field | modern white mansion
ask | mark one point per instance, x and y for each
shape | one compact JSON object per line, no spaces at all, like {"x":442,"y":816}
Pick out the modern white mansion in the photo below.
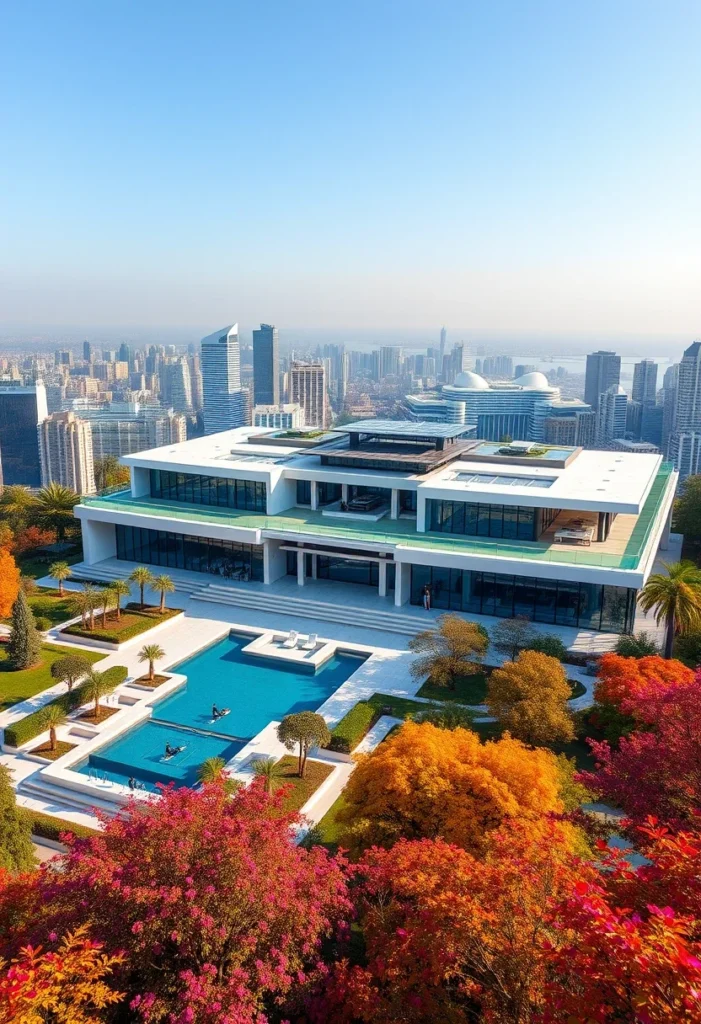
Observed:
{"x":560,"y":535}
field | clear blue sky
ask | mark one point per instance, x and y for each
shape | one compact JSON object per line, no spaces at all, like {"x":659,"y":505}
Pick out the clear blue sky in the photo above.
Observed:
{"x":498,"y":165}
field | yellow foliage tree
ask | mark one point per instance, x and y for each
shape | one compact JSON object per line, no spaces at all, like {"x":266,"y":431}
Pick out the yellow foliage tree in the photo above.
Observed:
{"x":426,"y":782}
{"x":9,"y":582}
{"x":529,"y":698}
{"x":67,"y":986}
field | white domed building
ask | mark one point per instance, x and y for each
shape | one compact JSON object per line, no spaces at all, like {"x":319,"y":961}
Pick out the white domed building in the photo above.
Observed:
{"x":503,"y":408}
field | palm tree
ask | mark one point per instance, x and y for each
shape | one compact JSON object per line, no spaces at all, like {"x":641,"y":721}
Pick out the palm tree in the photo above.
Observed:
{"x":151,"y":653}
{"x":144,"y":578}
{"x":107,"y":599}
{"x":120,"y":589}
{"x":166,"y":586}
{"x":211,"y":770}
{"x":60,"y":571}
{"x":52,"y":509}
{"x":97,"y":686}
{"x":270,"y":770}
{"x":675,"y":598}
{"x":54,"y":716}
{"x":85,"y":601}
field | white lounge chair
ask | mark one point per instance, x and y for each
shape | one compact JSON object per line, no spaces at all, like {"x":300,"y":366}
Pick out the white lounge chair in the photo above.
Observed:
{"x":291,"y":640}
{"x":310,"y":644}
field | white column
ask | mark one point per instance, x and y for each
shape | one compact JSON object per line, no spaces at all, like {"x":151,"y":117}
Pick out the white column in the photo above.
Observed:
{"x":344,"y":492}
{"x":420,"y":513}
{"x":99,"y":540}
{"x":274,"y":561}
{"x":382,"y":583}
{"x":394,"y":508}
{"x":315,"y":495}
{"x":300,"y":567}
{"x":402,"y":583}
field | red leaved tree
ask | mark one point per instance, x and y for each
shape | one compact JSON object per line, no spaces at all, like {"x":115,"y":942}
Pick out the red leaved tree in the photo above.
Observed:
{"x":216,"y":911}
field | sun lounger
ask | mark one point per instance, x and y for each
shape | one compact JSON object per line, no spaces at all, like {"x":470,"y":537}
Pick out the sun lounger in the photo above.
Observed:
{"x":291,"y":640}
{"x":310,"y":644}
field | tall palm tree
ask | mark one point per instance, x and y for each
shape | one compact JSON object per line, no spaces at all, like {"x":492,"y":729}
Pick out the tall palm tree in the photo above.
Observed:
{"x":675,"y":598}
{"x":60,"y":571}
{"x":107,"y":599}
{"x":151,"y":653}
{"x":270,"y":770}
{"x":120,"y":589}
{"x":97,"y":686}
{"x":54,"y":716}
{"x":166,"y":586}
{"x":52,"y":509}
{"x":143,"y":577}
{"x":85,"y":601}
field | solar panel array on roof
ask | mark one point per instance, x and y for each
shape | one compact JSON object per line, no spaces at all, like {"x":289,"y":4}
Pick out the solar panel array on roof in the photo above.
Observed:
{"x":405,"y":429}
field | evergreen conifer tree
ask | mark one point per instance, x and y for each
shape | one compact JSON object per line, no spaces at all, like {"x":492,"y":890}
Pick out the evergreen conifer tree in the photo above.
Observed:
{"x":16,"y":851}
{"x":25,"y":643}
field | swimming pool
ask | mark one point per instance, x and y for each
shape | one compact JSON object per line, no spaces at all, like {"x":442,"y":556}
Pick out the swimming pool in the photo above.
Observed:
{"x":139,"y":754}
{"x":255,"y":691}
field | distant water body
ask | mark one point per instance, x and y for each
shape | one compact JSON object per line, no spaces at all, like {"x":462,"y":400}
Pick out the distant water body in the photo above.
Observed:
{"x":578,"y":364}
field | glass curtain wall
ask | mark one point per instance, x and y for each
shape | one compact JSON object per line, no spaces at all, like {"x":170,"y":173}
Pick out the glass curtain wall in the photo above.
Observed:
{"x":343,"y":570}
{"x":586,"y":605}
{"x":478,"y":520}
{"x":208,"y":490}
{"x":198,"y":554}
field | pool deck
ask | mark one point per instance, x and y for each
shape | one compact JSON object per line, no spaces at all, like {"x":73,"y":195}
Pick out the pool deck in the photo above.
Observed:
{"x":386,"y":671}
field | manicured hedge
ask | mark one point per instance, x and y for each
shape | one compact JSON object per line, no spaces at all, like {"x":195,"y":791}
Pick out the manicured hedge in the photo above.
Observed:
{"x":354,"y":725}
{"x":27,"y":728}
{"x":119,"y":636}
{"x":49,"y":827}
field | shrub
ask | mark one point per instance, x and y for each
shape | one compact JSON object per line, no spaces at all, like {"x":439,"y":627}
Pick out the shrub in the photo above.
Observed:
{"x":42,"y":623}
{"x":49,"y":827}
{"x":354,"y":725}
{"x":119,"y":635}
{"x":549,"y":644}
{"x":639,"y":645}
{"x":447,"y":715}
{"x":24,"y":644}
{"x":33,"y":725}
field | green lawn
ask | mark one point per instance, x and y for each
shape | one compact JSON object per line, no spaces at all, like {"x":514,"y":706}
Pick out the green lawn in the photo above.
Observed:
{"x":48,"y":605}
{"x":18,"y":686}
{"x":467,"y":690}
{"x":328,"y":832}
{"x":315,"y":773}
{"x":400,"y":707}
{"x":37,"y":565}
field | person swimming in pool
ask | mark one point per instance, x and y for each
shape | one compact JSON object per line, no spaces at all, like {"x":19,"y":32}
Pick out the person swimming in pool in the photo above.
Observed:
{"x":216,"y":713}
{"x":172,"y":751}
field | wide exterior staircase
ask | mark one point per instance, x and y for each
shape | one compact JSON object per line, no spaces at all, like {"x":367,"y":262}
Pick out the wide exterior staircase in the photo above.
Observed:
{"x":245,"y":595}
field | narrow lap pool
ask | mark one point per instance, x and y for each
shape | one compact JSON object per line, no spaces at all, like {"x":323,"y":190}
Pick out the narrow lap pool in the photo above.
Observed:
{"x":256,"y":692}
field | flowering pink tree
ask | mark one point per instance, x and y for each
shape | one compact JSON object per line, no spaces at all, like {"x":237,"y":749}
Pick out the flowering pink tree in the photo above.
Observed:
{"x":216,"y":911}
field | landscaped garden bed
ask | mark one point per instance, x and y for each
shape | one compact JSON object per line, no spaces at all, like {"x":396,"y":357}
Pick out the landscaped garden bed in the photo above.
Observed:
{"x":17,"y":685}
{"x":27,"y":728}
{"x":152,"y":683}
{"x":44,"y":750}
{"x":316,"y":772}
{"x":357,"y":723}
{"x":133,"y":621}
{"x":104,"y":713}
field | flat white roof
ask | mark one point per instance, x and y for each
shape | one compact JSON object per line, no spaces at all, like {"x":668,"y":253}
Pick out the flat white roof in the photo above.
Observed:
{"x":594,"y":480}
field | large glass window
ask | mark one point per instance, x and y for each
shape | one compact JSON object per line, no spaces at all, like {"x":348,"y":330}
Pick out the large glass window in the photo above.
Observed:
{"x":198,"y":554}
{"x":480,"y":520}
{"x":304,"y":492}
{"x":588,"y":605}
{"x":209,"y":490}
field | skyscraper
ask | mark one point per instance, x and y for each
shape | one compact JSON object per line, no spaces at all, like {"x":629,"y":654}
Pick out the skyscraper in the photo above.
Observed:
{"x":612,"y":415}
{"x":308,"y":389}
{"x":603,"y":372}
{"x":390,"y":359}
{"x":444,"y":338}
{"x":87,"y":351}
{"x":684,"y":443}
{"x":66,"y":452}
{"x":644,"y":381}
{"x":21,"y":409}
{"x":224,"y":399}
{"x":179,"y":385}
{"x":266,"y":366}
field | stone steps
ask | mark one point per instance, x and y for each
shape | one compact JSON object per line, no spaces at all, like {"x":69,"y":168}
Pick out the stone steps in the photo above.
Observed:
{"x":63,"y":798}
{"x":109,"y":573}
{"x":386,"y":621}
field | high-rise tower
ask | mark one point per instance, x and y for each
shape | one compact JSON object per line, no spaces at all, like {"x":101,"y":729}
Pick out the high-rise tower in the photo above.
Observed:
{"x":603,"y":373}
{"x":266,"y":366}
{"x":223,"y":397}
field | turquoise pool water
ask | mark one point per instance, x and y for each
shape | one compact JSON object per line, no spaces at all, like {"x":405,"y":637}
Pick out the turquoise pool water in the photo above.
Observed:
{"x":139,"y":754}
{"x":256,"y":692}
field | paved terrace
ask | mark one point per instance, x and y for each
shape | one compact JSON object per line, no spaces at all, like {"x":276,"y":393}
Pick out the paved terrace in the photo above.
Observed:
{"x":622,"y":550}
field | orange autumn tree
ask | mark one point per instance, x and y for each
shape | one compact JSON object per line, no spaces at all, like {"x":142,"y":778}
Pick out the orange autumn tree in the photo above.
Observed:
{"x":66,"y":985}
{"x":424,"y":782}
{"x":529,"y":697}
{"x":626,"y":685}
{"x":9,"y":582}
